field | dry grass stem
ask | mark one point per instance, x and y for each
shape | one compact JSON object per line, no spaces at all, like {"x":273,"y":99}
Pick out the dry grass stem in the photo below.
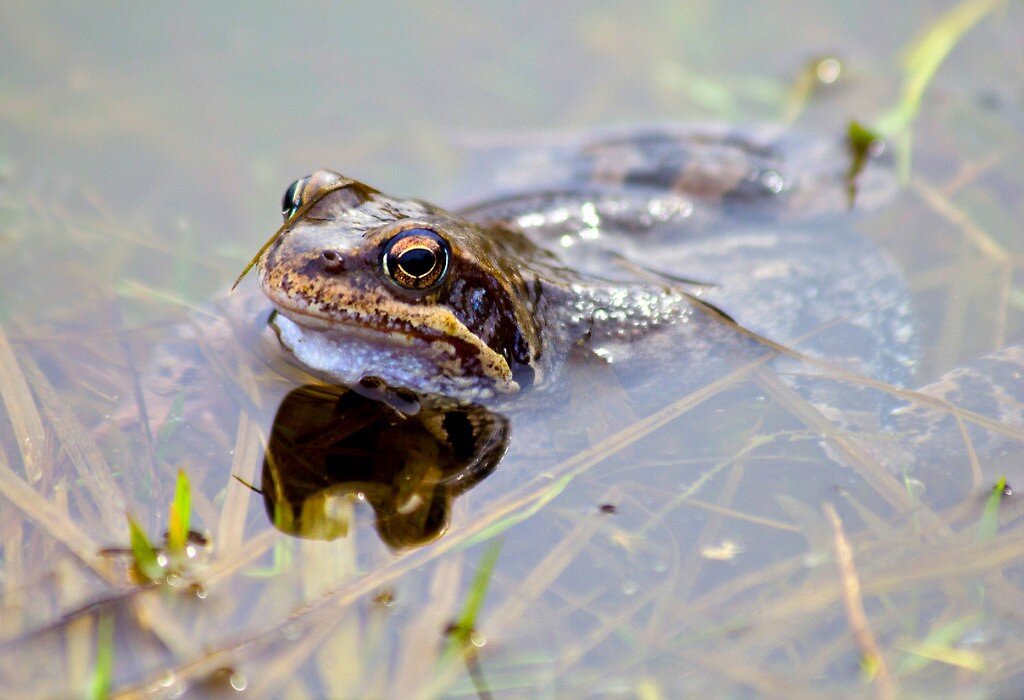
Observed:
{"x":22,"y":411}
{"x":853,"y":602}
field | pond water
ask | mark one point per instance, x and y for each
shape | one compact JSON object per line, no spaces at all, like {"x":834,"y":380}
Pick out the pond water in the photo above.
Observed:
{"x":648,"y":531}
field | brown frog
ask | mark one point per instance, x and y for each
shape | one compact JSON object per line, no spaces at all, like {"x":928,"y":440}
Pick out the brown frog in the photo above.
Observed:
{"x":587,"y":244}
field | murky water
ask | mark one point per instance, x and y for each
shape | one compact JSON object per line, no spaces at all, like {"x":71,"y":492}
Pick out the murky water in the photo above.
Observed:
{"x":662,"y":532}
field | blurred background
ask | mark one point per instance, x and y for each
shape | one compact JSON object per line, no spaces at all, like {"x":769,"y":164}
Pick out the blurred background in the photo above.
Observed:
{"x":194,"y":119}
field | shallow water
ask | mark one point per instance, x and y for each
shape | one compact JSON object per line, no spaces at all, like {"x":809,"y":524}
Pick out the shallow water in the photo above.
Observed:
{"x":651,"y":540}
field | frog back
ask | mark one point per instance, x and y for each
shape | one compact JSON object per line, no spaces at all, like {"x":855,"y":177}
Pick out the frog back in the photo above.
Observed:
{"x":760,"y":223}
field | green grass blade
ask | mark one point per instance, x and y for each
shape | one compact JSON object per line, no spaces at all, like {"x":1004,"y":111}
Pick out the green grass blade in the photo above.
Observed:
{"x":99,"y":689}
{"x":989,"y":524}
{"x":180,"y":516}
{"x":478,"y":591}
{"x":143,"y":553}
{"x":939,"y":646}
{"x":462,"y":630}
{"x":925,"y":54}
{"x":516,"y":518}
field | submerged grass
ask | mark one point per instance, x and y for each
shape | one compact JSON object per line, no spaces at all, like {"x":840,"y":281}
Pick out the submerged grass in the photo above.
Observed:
{"x":156,"y":564}
{"x":103,"y":672}
{"x":463,"y":630}
{"x":22,"y":412}
{"x":988,"y":526}
{"x":144,"y":554}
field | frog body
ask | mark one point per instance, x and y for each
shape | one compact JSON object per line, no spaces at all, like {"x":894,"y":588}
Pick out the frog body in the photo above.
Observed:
{"x":588,"y":242}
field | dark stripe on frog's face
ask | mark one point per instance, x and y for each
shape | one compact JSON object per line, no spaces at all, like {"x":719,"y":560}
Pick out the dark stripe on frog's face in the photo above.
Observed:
{"x":330,"y":272}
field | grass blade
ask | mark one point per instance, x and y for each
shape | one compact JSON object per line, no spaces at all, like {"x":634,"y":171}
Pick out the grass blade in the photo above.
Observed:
{"x":180,"y":516}
{"x":100,"y":687}
{"x":143,"y":553}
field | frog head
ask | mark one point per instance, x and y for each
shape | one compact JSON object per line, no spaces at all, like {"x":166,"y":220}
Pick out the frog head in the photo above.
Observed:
{"x":370,"y":285}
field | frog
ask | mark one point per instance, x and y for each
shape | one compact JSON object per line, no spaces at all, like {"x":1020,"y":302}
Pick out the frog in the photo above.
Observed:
{"x":588,"y":245}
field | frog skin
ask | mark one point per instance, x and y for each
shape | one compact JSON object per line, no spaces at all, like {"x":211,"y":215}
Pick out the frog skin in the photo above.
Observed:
{"x":508,"y":286}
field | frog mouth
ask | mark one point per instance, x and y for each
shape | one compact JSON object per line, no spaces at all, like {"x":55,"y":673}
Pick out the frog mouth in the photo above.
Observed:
{"x":342,"y":324}
{"x":431,"y":339}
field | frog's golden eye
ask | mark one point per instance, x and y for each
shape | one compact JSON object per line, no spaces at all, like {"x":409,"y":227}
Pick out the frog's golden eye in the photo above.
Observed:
{"x":416,"y":258}
{"x":292,"y":199}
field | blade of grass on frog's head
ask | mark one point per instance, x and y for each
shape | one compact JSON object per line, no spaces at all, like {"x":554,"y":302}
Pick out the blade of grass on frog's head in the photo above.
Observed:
{"x":297,"y":216}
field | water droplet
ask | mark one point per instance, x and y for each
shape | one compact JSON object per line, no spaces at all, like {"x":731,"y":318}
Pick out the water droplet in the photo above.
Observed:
{"x":238,"y":681}
{"x":828,"y":70}
{"x":773,"y":181}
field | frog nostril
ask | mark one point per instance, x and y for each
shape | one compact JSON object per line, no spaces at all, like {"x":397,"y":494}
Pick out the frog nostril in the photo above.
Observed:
{"x":332,"y":261}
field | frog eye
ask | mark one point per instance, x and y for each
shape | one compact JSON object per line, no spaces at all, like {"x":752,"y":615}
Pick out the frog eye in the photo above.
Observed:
{"x":292,"y":199}
{"x":416,"y":258}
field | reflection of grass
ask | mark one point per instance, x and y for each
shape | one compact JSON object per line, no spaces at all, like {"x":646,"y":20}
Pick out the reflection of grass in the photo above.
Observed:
{"x":922,"y":58}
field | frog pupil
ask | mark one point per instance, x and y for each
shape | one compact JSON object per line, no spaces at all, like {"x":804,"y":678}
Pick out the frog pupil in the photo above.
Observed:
{"x":417,"y":262}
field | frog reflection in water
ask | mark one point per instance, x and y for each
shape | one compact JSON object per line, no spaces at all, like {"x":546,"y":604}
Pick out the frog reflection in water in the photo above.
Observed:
{"x":407,"y":458}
